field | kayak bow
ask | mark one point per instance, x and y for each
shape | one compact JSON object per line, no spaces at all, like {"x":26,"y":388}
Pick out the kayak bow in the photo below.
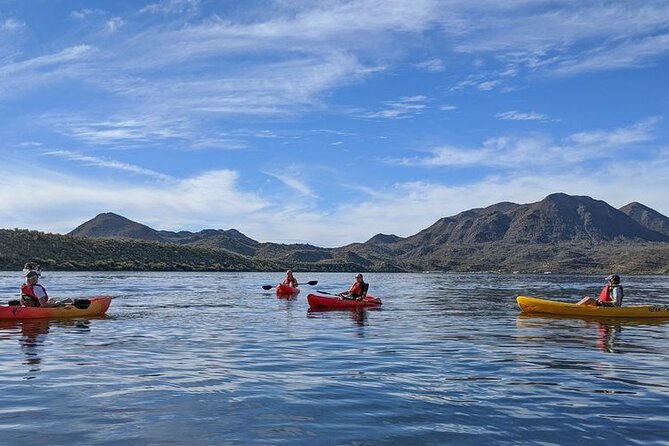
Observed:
{"x":286,"y":290}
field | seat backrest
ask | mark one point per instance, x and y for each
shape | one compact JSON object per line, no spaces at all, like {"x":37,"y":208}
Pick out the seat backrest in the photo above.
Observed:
{"x":365,"y":287}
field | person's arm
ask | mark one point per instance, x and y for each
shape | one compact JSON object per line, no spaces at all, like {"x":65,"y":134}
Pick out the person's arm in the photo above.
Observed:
{"x":617,"y":296}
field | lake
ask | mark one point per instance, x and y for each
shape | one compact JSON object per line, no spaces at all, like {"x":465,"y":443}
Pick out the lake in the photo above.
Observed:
{"x":213,"y":359}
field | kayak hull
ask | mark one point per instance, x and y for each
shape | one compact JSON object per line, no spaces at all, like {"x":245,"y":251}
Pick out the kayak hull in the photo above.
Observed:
{"x":534,"y":305}
{"x":286,"y":290}
{"x":98,"y":306}
{"x":332,"y":301}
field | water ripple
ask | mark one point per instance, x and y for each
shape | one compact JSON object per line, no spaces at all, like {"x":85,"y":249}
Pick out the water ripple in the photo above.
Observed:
{"x":212,"y":358}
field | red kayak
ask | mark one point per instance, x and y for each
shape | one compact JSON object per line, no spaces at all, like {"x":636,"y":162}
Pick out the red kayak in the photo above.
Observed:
{"x":95,"y":306}
{"x":286,"y":290}
{"x":321,"y":300}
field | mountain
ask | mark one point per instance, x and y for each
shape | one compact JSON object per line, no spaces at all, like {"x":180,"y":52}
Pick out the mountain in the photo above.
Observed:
{"x":115,"y":226}
{"x":647,"y":217}
{"x":561,"y":232}
{"x":558,"y":218}
{"x":382,"y":239}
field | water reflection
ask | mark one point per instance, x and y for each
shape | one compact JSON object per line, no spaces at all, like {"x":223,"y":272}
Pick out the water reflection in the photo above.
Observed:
{"x":32,"y":335}
{"x":606,"y":333}
{"x":357,"y":315}
{"x":606,"y":336}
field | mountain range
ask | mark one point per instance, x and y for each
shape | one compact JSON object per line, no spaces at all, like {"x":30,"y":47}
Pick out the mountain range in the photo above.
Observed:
{"x":505,"y":234}
{"x":559,"y":233}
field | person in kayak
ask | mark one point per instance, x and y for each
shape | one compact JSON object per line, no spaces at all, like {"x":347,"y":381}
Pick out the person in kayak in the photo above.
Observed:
{"x":610,"y":296}
{"x":290,"y":280}
{"x":358,"y":290}
{"x":34,"y":295}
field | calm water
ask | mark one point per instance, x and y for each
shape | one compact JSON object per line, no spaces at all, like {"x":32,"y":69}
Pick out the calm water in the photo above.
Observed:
{"x":189,"y":358}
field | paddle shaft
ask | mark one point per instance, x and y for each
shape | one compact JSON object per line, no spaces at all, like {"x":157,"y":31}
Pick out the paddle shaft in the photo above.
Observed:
{"x":269,"y":287}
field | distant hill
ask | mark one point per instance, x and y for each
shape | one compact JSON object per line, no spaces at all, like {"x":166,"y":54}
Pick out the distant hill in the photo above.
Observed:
{"x":66,"y":252}
{"x":647,"y":217}
{"x":559,"y":233}
{"x":111,"y":225}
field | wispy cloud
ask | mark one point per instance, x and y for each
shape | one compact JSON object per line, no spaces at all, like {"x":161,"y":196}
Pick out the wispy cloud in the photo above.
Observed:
{"x":620,"y":55}
{"x":11,"y":24}
{"x":172,"y":7}
{"x":107,"y":163}
{"x":114,"y":24}
{"x":207,"y":199}
{"x":82,"y":14}
{"x":514,"y":115}
{"x":121,"y":131}
{"x":432,"y":65}
{"x":288,"y":177}
{"x":401,"y":108}
{"x":41,"y":71}
{"x":540,"y":150}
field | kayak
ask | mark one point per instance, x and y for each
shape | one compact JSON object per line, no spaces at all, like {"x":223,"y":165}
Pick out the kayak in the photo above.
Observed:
{"x":535,"y":305}
{"x":95,"y":306}
{"x":286,"y":290}
{"x":321,"y":300}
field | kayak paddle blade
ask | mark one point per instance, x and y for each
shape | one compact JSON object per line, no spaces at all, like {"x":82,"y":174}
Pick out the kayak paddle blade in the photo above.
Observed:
{"x":82,"y":304}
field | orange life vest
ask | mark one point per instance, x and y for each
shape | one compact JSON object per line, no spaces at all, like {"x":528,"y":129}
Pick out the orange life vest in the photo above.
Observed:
{"x":27,"y":290}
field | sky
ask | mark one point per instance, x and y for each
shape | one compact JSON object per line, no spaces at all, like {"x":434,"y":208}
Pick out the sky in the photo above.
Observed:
{"x":326,"y":122}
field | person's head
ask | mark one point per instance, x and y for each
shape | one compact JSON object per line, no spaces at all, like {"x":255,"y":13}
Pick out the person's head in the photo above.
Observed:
{"x":613,"y":279}
{"x":31,"y":277}
{"x":358,"y":277}
{"x":289,"y":273}
{"x":32,"y":266}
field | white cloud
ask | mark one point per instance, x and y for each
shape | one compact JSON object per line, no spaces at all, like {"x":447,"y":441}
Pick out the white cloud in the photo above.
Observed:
{"x":82,"y":14}
{"x":209,"y":199}
{"x":401,"y":108}
{"x":540,"y":150}
{"x":172,"y":7}
{"x":107,"y":163}
{"x":621,"y":55}
{"x":288,"y":176}
{"x":514,"y":115}
{"x":432,"y":65}
{"x":11,"y":25}
{"x":41,"y":71}
{"x":114,"y":24}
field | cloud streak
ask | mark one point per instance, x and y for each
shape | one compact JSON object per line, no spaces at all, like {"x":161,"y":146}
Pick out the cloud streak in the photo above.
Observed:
{"x":539,"y":150}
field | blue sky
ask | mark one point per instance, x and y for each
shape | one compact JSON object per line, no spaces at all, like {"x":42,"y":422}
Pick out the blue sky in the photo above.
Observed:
{"x":326,"y":122}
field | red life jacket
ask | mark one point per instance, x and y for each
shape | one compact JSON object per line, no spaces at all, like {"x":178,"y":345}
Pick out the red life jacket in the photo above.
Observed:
{"x":604,"y":295}
{"x":27,"y":290}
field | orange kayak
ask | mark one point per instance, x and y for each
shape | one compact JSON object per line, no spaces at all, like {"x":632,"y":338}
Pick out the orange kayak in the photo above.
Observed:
{"x":95,"y":306}
{"x":286,"y":290}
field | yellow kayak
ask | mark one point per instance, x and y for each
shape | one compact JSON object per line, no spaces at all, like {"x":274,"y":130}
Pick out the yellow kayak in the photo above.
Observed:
{"x":534,"y":305}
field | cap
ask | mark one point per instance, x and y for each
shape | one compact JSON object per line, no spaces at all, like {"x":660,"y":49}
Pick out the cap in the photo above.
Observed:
{"x":615,"y":278}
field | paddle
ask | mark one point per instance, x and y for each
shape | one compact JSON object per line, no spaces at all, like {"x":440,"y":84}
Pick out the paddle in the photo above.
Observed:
{"x":269,"y":287}
{"x":81,"y":304}
{"x":340,"y":295}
